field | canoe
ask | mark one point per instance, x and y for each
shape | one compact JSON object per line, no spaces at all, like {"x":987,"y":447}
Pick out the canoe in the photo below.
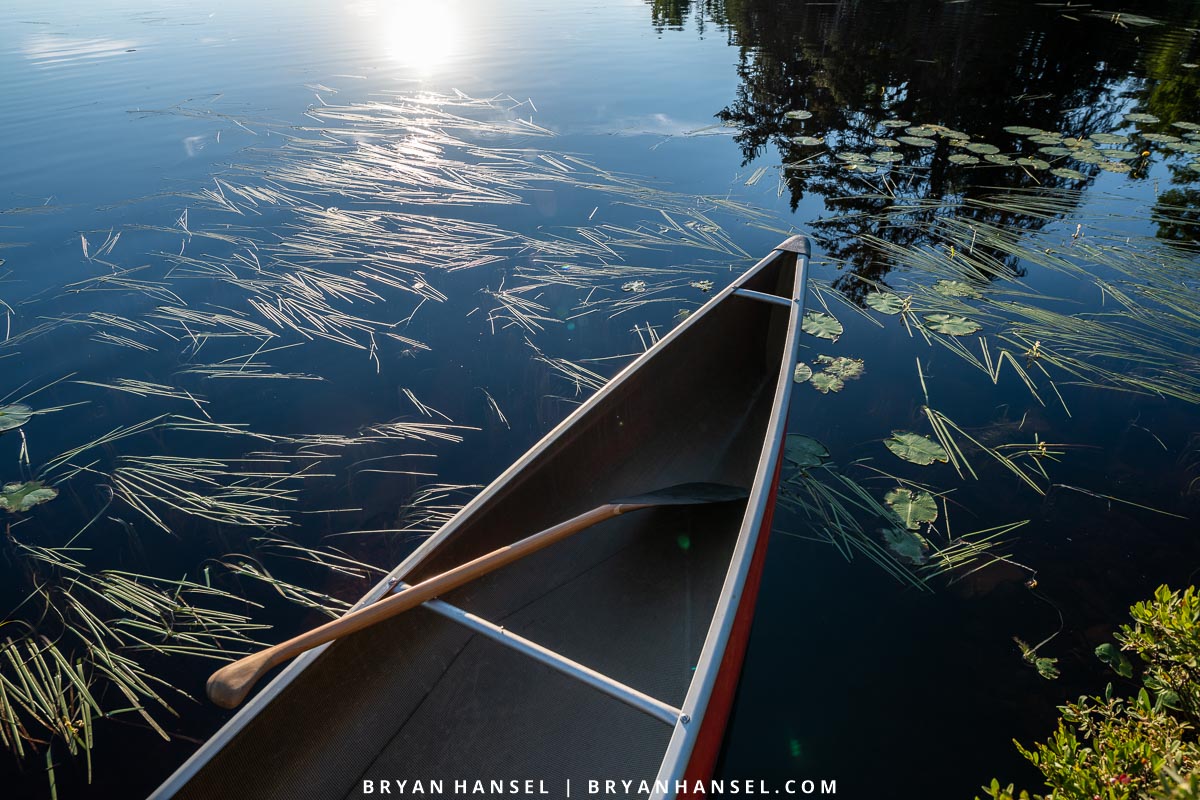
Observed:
{"x":610,"y":655}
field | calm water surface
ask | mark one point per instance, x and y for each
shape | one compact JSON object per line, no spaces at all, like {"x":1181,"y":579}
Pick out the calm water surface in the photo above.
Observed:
{"x":296,"y":224}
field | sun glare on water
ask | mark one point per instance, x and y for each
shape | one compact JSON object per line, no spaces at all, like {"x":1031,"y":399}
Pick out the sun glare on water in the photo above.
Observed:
{"x":419,"y":34}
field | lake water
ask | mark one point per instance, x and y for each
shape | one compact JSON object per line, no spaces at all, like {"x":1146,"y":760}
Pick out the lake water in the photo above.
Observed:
{"x":285,"y":282}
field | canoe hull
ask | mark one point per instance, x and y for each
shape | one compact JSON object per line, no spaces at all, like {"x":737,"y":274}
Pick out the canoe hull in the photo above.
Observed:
{"x":659,"y":602}
{"x":720,"y":705}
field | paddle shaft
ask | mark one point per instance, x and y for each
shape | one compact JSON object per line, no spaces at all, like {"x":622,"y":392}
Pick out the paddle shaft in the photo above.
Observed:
{"x":228,"y":686}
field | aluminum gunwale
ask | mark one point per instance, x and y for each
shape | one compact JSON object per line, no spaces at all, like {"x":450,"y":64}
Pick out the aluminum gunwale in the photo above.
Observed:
{"x":683,"y":739}
{"x":226,"y":733}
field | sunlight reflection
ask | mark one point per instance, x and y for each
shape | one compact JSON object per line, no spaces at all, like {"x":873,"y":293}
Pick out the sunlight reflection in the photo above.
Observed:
{"x":53,"y":51}
{"x":417,"y":33}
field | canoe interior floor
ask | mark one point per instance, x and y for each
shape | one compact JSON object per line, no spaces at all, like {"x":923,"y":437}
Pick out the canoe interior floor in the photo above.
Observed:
{"x":423,"y":697}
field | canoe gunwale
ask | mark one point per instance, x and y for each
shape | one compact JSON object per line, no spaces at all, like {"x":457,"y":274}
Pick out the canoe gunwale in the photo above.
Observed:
{"x":693,"y":707}
{"x":688,"y":728}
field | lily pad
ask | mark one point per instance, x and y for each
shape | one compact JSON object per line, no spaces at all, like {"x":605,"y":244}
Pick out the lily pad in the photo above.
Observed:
{"x":826,"y":382}
{"x":886,"y":156}
{"x":1024,"y":130}
{"x":1115,"y":166}
{"x":16,"y":497}
{"x":1088,"y":156}
{"x":1055,"y":150}
{"x":1033,"y":163}
{"x":921,"y":131}
{"x":915,"y":448}
{"x":1187,"y":126}
{"x":1109,"y":138}
{"x":951,"y":324}
{"x":1161,"y":138}
{"x":913,"y":508}
{"x":798,"y":114}
{"x":918,"y":141}
{"x":885,"y":302}
{"x":637,"y":287}
{"x":895,"y":123}
{"x":907,"y":545}
{"x":884,"y":142}
{"x":842,"y":367}
{"x":853,"y":158}
{"x":704,"y":286}
{"x":983,"y":149}
{"x":1046,"y":138}
{"x":1072,"y":174}
{"x":963,"y":158}
{"x":1123,"y":155}
{"x":956,"y":289}
{"x":808,"y":141}
{"x":999,"y":158}
{"x":14,"y":415}
{"x":868,"y":168}
{"x":803,"y":372}
{"x":804,"y":451}
{"x":823,"y":326}
{"x":1148,"y":118}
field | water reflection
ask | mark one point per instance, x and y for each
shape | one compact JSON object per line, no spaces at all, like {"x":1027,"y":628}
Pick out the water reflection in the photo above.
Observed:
{"x":47,"y":50}
{"x":421,"y":35}
{"x":817,"y":81}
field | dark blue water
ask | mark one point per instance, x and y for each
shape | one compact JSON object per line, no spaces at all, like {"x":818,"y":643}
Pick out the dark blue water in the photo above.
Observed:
{"x":335,"y":217}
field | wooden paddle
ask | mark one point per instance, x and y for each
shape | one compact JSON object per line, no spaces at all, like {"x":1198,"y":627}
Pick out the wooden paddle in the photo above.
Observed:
{"x":228,"y":686}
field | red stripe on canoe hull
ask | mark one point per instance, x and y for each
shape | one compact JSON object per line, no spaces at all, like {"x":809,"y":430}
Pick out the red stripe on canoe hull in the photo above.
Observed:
{"x":720,"y":703}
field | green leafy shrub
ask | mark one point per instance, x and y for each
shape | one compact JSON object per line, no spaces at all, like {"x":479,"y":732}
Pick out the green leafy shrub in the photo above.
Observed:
{"x":1142,"y":747}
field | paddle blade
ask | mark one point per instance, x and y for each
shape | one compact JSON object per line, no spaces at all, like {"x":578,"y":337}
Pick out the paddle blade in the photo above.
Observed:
{"x":683,"y":494}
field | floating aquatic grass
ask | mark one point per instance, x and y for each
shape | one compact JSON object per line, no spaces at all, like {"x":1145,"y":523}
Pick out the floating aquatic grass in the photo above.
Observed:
{"x":205,"y":488}
{"x":840,"y":512}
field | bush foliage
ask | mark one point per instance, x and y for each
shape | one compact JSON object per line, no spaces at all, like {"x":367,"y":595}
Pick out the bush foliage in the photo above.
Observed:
{"x":1138,"y":747}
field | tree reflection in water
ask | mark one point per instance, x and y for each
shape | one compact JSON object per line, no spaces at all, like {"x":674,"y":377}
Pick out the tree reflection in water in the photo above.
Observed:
{"x":973,"y":67}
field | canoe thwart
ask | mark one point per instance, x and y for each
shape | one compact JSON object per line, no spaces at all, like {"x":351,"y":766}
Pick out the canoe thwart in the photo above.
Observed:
{"x":631,"y":697}
{"x":682,"y":494}
{"x":763,"y":296}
